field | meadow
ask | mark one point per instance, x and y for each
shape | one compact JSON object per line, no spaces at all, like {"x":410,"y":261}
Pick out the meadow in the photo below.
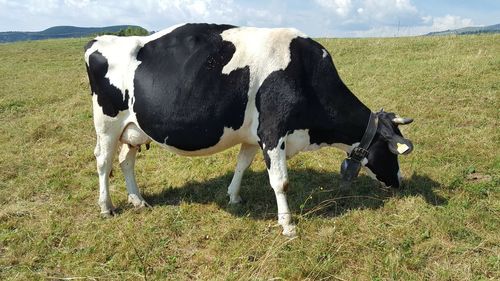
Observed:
{"x":444,"y":224}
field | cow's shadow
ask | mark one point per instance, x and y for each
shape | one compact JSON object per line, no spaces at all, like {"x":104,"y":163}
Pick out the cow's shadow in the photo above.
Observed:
{"x":311,"y":193}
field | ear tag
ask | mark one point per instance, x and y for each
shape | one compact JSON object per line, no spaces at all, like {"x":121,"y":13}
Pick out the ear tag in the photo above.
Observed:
{"x":402,"y":148}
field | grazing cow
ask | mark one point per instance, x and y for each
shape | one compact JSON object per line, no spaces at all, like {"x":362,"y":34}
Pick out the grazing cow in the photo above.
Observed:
{"x":197,"y":89}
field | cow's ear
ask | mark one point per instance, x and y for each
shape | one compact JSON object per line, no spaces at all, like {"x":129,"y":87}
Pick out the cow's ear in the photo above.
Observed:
{"x":399,"y":145}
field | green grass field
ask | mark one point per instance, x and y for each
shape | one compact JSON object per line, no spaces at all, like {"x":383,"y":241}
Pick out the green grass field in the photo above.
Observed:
{"x":444,"y":225}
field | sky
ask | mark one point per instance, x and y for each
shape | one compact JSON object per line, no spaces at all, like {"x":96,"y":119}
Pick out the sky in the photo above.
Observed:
{"x":317,"y":18}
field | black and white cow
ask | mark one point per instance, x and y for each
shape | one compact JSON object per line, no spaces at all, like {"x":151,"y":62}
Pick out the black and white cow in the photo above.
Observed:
{"x":197,"y":89}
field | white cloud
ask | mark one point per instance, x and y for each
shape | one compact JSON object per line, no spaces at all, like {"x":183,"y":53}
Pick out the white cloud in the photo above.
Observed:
{"x":428,"y":24}
{"x":388,"y":10}
{"x":34,"y":7}
{"x":186,"y":8}
{"x":174,"y":11}
{"x":77,"y":3}
{"x":361,"y":18}
{"x":198,"y":8}
{"x":340,"y":7}
{"x":264,"y":18}
{"x":427,"y":19}
{"x":450,"y":22}
{"x":369,"y":10}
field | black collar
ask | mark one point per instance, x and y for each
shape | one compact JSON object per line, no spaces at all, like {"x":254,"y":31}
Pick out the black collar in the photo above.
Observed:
{"x":352,"y":164}
{"x":361,"y":151}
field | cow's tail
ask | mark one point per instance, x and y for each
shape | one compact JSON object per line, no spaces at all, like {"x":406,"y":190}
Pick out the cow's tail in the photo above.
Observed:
{"x":86,"y":56}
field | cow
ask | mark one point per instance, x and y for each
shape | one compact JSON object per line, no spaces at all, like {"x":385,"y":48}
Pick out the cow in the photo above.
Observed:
{"x":198,"y":89}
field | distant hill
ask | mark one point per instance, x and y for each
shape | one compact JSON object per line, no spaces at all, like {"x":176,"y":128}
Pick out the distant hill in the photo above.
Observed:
{"x":468,"y":30}
{"x":61,"y":32}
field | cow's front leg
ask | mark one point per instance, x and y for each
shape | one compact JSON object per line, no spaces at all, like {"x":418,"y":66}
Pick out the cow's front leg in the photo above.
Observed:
{"x":278,"y":177}
{"x":245,"y":158}
{"x":127,"y":163}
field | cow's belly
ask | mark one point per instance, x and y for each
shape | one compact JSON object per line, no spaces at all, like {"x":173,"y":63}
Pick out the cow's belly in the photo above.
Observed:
{"x":134,"y":135}
{"x":228,"y":139}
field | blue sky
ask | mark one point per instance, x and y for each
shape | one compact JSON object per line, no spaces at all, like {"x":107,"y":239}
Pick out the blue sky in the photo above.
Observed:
{"x":339,"y":18}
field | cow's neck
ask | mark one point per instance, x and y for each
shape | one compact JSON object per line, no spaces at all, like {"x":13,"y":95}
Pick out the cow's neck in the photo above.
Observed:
{"x":356,"y":119}
{"x":348,"y":118}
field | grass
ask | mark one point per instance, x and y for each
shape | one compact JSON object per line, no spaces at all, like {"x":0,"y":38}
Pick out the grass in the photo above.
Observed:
{"x":444,"y":225}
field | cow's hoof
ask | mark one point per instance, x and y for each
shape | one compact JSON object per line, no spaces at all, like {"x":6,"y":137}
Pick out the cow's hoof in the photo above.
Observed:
{"x":137,"y":201}
{"x":235,"y":199}
{"x":107,"y":214}
{"x":289,"y":231}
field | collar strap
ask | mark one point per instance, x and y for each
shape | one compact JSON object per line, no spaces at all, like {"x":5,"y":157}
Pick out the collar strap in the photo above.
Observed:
{"x":361,"y":151}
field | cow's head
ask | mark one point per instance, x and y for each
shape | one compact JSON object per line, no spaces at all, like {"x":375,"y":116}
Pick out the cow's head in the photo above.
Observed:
{"x":379,"y":149}
{"x":387,"y":144}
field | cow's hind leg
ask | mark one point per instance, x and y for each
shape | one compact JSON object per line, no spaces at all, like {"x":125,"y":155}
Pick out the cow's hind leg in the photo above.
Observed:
{"x":245,"y":158}
{"x":127,"y":163}
{"x":132,"y":138}
{"x":278,"y":177}
{"x":104,"y":152}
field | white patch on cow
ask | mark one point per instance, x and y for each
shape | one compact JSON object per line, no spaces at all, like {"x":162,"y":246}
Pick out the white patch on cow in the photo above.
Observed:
{"x":279,"y":171}
{"x":364,"y":161}
{"x":325,"y":53}
{"x":104,"y":123}
{"x":297,"y":141}
{"x":257,"y":45}
{"x":278,"y":177}
{"x":300,"y":140}
{"x":121,"y":53}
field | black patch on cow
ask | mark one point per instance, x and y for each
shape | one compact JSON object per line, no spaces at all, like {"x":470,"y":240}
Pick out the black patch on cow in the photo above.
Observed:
{"x":109,"y":97}
{"x":282,"y":146}
{"x":182,"y":98}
